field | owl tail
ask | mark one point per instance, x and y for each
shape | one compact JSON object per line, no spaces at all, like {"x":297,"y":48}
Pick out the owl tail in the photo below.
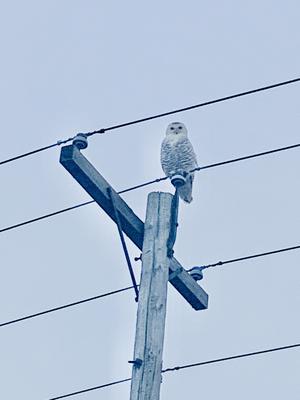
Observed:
{"x":185,"y":191}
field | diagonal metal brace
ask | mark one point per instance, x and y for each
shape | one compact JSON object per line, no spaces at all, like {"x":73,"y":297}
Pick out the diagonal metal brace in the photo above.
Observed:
{"x":173,"y":225}
{"x":120,"y":230}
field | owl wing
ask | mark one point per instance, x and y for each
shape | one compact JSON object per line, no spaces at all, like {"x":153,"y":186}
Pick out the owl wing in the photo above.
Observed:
{"x":179,"y":156}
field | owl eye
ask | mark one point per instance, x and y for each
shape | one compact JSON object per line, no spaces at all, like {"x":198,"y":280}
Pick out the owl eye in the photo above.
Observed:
{"x":172,"y":129}
{"x":180,"y":127}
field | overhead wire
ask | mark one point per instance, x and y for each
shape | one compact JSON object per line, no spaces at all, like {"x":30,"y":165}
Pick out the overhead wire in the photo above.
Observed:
{"x":52,"y":214}
{"x":39,"y":150}
{"x":91,"y":389}
{"x":103,"y":130}
{"x":234,"y":260}
{"x":203,"y":104}
{"x":149,"y":118}
{"x":248,"y":157}
{"x":217,"y":360}
{"x":153,"y":181}
{"x":185,"y":366}
{"x":76,"y":303}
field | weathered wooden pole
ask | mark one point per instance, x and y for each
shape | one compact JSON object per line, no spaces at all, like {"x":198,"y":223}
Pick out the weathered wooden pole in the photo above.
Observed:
{"x":156,"y":239}
{"x":150,"y":326}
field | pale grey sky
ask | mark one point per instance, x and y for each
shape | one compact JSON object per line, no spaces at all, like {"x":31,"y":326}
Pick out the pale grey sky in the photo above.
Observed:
{"x":70,"y":66}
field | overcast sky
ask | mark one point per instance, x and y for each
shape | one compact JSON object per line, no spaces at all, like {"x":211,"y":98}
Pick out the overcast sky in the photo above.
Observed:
{"x":69,"y":66}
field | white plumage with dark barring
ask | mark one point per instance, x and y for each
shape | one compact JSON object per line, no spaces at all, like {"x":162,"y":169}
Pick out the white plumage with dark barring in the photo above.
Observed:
{"x":178,"y":157}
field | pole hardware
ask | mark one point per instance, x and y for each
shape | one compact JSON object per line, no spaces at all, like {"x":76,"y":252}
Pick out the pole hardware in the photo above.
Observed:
{"x":80,"y":141}
{"x":124,"y":246}
{"x":196,"y":273}
{"x":178,"y":179}
{"x":173,"y":224}
{"x":137,"y":362}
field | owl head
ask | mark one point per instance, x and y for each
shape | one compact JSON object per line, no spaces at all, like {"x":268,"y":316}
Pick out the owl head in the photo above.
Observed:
{"x":176,"y":128}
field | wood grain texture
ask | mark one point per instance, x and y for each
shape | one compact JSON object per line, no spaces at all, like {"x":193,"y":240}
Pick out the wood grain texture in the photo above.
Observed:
{"x":151,"y":314}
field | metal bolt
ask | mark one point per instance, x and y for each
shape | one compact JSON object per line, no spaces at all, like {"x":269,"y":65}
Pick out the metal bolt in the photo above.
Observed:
{"x":137,"y":362}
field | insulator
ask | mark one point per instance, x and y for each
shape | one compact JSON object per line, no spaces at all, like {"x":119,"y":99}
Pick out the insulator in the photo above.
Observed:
{"x":178,"y":180}
{"x":80,"y":141}
{"x":196,"y":273}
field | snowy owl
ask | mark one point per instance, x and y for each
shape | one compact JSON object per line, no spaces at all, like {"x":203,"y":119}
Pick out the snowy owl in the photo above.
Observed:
{"x":177,"y":156}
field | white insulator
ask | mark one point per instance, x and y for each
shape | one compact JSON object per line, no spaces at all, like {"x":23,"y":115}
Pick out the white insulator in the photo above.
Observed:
{"x":80,"y":141}
{"x":196,"y":273}
{"x":178,"y":180}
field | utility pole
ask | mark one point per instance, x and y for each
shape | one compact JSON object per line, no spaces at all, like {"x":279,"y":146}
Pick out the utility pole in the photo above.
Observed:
{"x":150,"y":326}
{"x":156,"y":239}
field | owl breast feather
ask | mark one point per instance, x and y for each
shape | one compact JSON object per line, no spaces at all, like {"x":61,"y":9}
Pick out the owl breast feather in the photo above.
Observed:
{"x":177,"y":154}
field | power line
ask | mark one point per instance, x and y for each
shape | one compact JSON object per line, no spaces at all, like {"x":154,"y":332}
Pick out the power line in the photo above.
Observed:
{"x":198,"y":364}
{"x":254,"y":353}
{"x":76,"y":303}
{"x":137,"y":121}
{"x":157,"y":180}
{"x":268,"y":253}
{"x":233,"y":160}
{"x":30,"y":221}
{"x":91,"y":389}
{"x":58,"y":143}
{"x":206,"y":103}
